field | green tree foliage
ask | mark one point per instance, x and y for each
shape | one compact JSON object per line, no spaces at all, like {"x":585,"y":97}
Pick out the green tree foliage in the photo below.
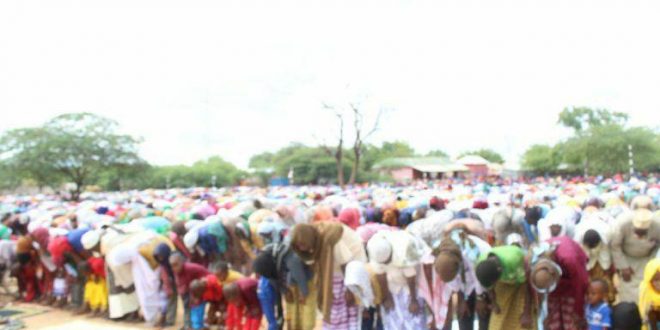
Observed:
{"x":373,"y":154}
{"x":599,"y":145}
{"x":76,"y":147}
{"x":581,"y":118}
{"x":262,"y":161}
{"x":541,"y":159}
{"x":200,"y":174}
{"x":604,"y":149}
{"x":437,"y":153}
{"x":22,"y":157}
{"x":487,"y":154}
{"x":311,"y":165}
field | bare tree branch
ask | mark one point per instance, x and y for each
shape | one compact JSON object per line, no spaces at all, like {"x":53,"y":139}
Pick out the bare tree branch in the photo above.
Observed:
{"x":338,"y":152}
{"x":376,"y":126}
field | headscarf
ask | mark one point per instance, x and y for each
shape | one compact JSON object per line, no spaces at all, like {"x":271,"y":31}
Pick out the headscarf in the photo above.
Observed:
{"x":648,"y":296}
{"x":5,"y":232}
{"x":23,"y":245}
{"x":90,"y":239}
{"x":357,"y":280}
{"x":323,"y":213}
{"x":447,"y":252}
{"x":97,"y":266}
{"x":179,"y":228}
{"x":42,"y":237}
{"x":287,"y":213}
{"x":436,"y":203}
{"x":207,"y":241}
{"x":273,"y":228}
{"x":390,"y":217}
{"x":368,"y":230}
{"x":162,"y":255}
{"x":379,"y":249}
{"x":322,"y":237}
{"x":350,"y":217}
{"x":57,"y":247}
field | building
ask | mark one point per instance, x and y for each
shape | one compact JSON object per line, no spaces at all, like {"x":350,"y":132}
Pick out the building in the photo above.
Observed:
{"x":478,"y":166}
{"x":418,"y":168}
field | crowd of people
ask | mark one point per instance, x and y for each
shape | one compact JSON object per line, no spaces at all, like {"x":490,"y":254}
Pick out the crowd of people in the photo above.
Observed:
{"x":544,"y":254}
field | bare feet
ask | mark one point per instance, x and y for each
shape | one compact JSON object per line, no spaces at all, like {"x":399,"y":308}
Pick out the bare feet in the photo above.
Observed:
{"x":60,"y":302}
{"x":51,"y":300}
{"x":84,"y":310}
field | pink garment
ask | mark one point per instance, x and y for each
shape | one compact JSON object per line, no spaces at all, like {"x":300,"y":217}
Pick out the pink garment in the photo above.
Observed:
{"x":369,"y":229}
{"x":57,"y":247}
{"x":575,"y":278}
{"x":350,"y":217}
{"x":287,"y":213}
{"x":42,"y":237}
{"x":206,"y":211}
{"x":474,"y":227}
{"x":436,"y":297}
{"x":323,"y":213}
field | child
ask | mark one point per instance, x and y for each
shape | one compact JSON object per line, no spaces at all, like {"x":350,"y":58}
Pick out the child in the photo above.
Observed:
{"x":243,"y":295}
{"x":224,"y":275}
{"x":649,"y":295}
{"x":60,"y":288}
{"x":96,"y":290}
{"x":598,"y":312}
{"x":197,"y":304}
{"x":185,"y":273}
{"x":213,"y":296}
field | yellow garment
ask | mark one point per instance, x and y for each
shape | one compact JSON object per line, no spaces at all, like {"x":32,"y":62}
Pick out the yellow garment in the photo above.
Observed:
{"x":255,"y":219}
{"x":96,"y":294}
{"x":649,"y":298}
{"x":375,"y":285}
{"x":147,"y":249}
{"x":247,"y":248}
{"x":511,"y":300}
{"x":232,"y":276}
{"x":322,"y":236}
{"x":402,"y":204}
{"x":297,"y":315}
{"x":597,"y":272}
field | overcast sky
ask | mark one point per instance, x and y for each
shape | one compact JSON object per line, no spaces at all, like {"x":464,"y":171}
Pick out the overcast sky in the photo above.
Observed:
{"x":197,"y":78}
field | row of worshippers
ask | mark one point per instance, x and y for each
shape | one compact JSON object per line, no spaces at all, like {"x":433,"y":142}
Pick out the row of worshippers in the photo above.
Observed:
{"x":528,"y":271}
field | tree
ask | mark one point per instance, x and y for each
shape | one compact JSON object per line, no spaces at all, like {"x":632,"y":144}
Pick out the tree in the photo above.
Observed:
{"x":487,"y":154}
{"x":261,"y":161}
{"x":394,"y":149}
{"x":200,"y":174}
{"x":437,"y":153}
{"x":581,"y":118}
{"x":540,"y":159}
{"x":600,"y":143}
{"x":338,"y":151}
{"x":76,"y":147}
{"x":360,"y":137}
{"x":22,"y":153}
{"x":604,"y":149}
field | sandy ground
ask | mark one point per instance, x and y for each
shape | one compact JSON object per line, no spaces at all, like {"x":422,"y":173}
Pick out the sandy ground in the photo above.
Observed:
{"x":56,"y":319}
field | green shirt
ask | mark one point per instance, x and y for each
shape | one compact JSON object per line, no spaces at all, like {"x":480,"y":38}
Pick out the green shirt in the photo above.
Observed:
{"x":512,"y":259}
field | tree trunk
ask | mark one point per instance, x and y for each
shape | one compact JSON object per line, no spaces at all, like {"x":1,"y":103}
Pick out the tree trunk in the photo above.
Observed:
{"x":339,"y":157}
{"x":356,"y":165}
{"x":75,"y":194}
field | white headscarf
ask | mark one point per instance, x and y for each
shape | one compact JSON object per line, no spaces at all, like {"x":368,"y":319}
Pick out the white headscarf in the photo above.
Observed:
{"x":356,"y":279}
